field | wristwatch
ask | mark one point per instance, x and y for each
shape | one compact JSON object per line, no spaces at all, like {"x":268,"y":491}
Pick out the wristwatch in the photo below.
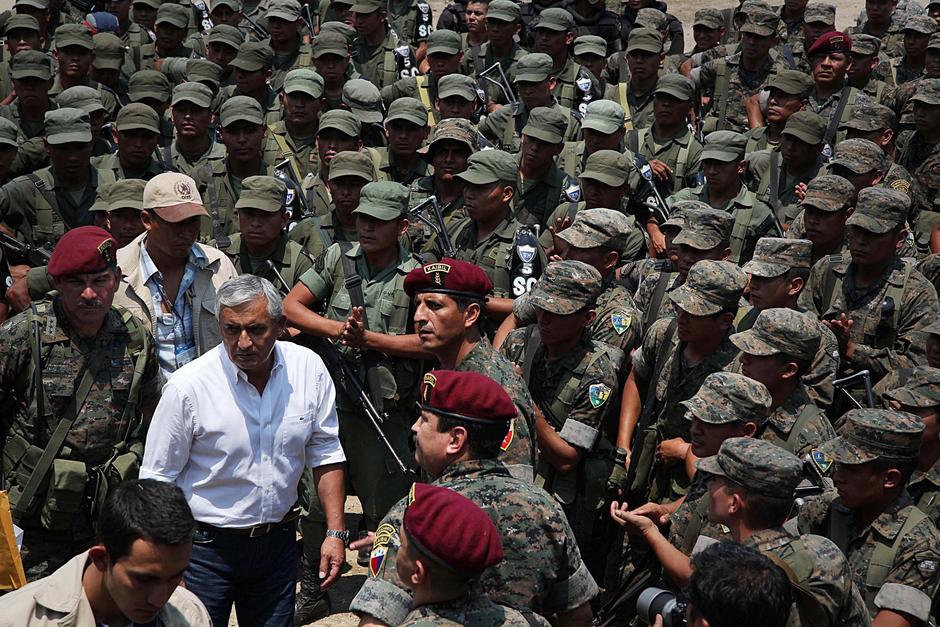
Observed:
{"x":342,"y":535}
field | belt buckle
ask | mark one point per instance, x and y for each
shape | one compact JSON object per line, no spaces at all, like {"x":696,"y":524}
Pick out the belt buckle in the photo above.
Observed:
{"x":260,"y":530}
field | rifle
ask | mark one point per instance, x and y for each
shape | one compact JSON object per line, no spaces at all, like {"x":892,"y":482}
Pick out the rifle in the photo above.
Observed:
{"x":861,"y":375}
{"x":256,"y":28}
{"x":307,"y":18}
{"x":502,"y":82}
{"x":435,"y":222}
{"x":345,"y":377}
{"x":33,"y":255}
{"x":654,"y":201}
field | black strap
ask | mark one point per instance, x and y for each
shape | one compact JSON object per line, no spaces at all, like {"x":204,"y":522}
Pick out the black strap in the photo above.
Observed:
{"x":46,"y":193}
{"x":656,"y":301}
{"x":221,"y":239}
{"x":633,"y":140}
{"x":837,"y":115}
{"x":475,"y":56}
{"x":775,"y":181}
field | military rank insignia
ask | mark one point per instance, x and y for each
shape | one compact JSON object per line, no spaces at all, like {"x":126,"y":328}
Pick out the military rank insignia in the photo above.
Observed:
{"x":820,"y":460}
{"x":509,"y":437}
{"x":429,"y":382}
{"x":900,"y":185}
{"x":620,"y":321}
{"x":598,"y":394}
{"x":383,"y":537}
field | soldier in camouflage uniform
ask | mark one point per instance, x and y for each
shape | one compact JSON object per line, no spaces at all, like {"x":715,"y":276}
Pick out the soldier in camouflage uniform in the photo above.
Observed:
{"x":554,"y":33}
{"x":919,"y":150}
{"x":817,"y":19}
{"x":406,"y":126}
{"x":637,"y":71}
{"x":254,"y":65}
{"x":294,"y":137}
{"x":822,"y":214}
{"x":875,"y":302}
{"x":916,"y":32}
{"x":99,"y":385}
{"x":379,"y":53}
{"x":194,"y":148}
{"x":831,"y":97}
{"x":882,"y":21}
{"x":787,"y":93}
{"x":900,"y":98}
{"x":893,"y":549}
{"x":866,"y":70}
{"x":449,"y":297}
{"x":137,"y":129}
{"x":876,"y":123}
{"x":542,"y":569}
{"x":723,"y":163}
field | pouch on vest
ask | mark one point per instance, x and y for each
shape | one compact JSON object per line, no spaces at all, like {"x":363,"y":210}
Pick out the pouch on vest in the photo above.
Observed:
{"x":65,"y":494}
{"x":19,"y":459}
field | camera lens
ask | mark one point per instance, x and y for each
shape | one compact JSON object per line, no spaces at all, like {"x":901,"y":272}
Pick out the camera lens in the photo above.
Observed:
{"x":653,"y":601}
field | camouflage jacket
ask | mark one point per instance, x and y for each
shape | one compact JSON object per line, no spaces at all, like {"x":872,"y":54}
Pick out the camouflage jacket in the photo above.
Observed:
{"x":646,"y":293}
{"x":729,"y":85}
{"x":542,"y":569}
{"x":798,"y":425}
{"x":922,"y":160}
{"x":690,"y":521}
{"x":478,"y":610}
{"x":925,"y":490}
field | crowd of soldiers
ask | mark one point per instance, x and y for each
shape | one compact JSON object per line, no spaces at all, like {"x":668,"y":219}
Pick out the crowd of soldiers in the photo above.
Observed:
{"x":661,"y":252}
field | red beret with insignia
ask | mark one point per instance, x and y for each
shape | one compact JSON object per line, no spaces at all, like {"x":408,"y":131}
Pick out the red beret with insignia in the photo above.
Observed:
{"x":468,"y":396}
{"x":449,"y":276}
{"x":833,"y":41}
{"x":85,"y":249}
{"x":451,"y":530}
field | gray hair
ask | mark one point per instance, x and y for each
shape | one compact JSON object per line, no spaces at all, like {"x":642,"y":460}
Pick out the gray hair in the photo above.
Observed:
{"x":247,"y":287}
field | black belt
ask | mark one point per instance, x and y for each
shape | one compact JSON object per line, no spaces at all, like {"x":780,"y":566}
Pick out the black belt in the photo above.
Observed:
{"x":258,"y":530}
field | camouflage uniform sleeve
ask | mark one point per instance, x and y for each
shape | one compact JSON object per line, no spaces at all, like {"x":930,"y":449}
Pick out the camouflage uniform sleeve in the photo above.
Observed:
{"x":830,"y":583}
{"x":513,"y":345}
{"x":523,"y":310}
{"x":911,"y":583}
{"x":706,"y":77}
{"x":14,"y":355}
{"x":818,"y":380}
{"x":319,"y":279}
{"x":152,"y":380}
{"x":815,"y":431}
{"x":813,"y":513}
{"x":579,"y":586}
{"x":592,"y":401}
{"x":810,"y":297}
{"x":382,"y":594}
{"x":10,"y":197}
{"x":644,"y":358}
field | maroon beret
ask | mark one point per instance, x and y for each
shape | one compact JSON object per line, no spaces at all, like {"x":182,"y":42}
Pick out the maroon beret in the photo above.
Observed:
{"x":452,"y":530}
{"x":833,"y":41}
{"x":449,"y":276}
{"x":468,"y":396}
{"x":85,"y":249}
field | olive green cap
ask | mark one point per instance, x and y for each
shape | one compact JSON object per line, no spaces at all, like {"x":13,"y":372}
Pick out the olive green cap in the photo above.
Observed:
{"x":761,"y":23}
{"x":590,"y":44}
{"x":9,"y":132}
{"x":709,"y":18}
{"x":341,"y":120}
{"x":352,"y":163}
{"x":285,"y":9}
{"x":921,"y":390}
{"x":791,"y":82}
{"x":65,"y":125}
{"x":556,"y":19}
{"x":154,"y":4}
{"x":724,"y":146}
{"x":710,"y":287}
{"x":196,"y":93}
{"x":490,"y":166}
{"x":444,"y":41}
{"x":598,"y":227}
{"x":137,"y":115}
{"x":867,"y":45}
{"x":368,"y":6}
{"x":342,"y":29}
{"x":928,"y":91}
{"x":383,"y":200}
{"x":806,"y":126}
{"x":775,"y":256}
{"x":779,"y":331}
{"x":547,"y":124}
{"x":820,"y":12}
{"x":504,"y":11}
{"x":235,"y":5}
{"x":869,"y":434}
{"x":31,"y":64}
{"x":304,"y":80}
{"x":409,"y":110}
{"x":705,"y":228}
{"x":21,"y":21}
{"x":36,"y":4}
{"x":607,"y":166}
{"x":829,"y":193}
{"x":172,"y":14}
{"x":330,"y":42}
{"x":81,"y":97}
{"x":457,"y":85}
{"x":648,"y":17}
{"x":204,"y":71}
{"x":225,"y":34}
{"x":603,"y":116}
{"x":934,"y":42}
{"x":74,"y":35}
{"x":879,"y":209}
{"x":923,"y":24}
{"x":266,"y":193}
{"x":241,"y":109}
{"x":676,"y":85}
{"x":365,"y":100}
{"x":534,"y":67}
{"x":566,"y":287}
{"x":253,"y":56}
{"x":109,"y":51}
{"x":859,"y":156}
{"x":453,"y":129}
{"x":149,"y":84}
{"x":125,"y":194}
{"x":645,"y":39}
{"x":757,"y":465}
{"x":726,"y":397}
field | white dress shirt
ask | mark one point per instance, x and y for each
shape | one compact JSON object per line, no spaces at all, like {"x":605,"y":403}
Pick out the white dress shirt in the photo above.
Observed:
{"x":238,"y":455}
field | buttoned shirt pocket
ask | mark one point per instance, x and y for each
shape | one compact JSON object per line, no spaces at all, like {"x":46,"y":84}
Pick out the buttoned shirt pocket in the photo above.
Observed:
{"x":294,"y":433}
{"x":340,"y":306}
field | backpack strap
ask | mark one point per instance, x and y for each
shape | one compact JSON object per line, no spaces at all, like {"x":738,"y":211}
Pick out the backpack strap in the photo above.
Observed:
{"x":812,"y":613}
{"x":884,"y":555}
{"x":656,"y":301}
{"x":722,"y":81}
{"x":221,"y":239}
{"x":742,"y":218}
{"x":833,"y":284}
{"x":47,"y":194}
{"x":424,"y":93}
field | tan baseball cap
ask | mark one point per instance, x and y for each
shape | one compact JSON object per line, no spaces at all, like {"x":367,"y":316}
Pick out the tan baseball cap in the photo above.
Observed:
{"x":174,"y":197}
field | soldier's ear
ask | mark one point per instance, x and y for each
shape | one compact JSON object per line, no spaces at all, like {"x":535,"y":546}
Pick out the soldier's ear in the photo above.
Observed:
{"x":471,"y":315}
{"x":99,"y":557}
{"x":892,"y":479}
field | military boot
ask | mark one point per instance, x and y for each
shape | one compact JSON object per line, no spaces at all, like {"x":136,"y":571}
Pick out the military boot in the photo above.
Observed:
{"x":312,"y":603}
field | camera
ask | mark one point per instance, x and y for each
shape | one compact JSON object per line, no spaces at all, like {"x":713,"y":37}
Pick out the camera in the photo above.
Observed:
{"x":653,"y":601}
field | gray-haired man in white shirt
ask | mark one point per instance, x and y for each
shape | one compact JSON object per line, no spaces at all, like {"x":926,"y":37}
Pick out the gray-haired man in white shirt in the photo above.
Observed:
{"x":235,"y":429}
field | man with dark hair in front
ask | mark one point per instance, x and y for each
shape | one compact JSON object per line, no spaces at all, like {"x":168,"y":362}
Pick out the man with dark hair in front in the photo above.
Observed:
{"x":132,"y":574}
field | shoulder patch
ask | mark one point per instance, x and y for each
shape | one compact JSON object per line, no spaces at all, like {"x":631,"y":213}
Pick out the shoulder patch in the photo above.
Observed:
{"x":620,"y":320}
{"x":510,"y":435}
{"x":383,"y":536}
{"x":820,"y":460}
{"x":927,"y":567}
{"x":598,"y":393}
{"x":900,"y":185}
{"x":572,"y":191}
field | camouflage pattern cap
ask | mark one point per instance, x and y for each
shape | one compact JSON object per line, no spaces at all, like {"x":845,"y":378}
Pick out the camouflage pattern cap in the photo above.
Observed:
{"x":225,"y":34}
{"x":452,"y":129}
{"x":444,"y":41}
{"x":547,"y":124}
{"x":365,"y":100}
{"x":928,"y":91}
{"x":504,"y":11}
{"x":65,"y":126}
{"x":490,"y":166}
{"x":711,"y":286}
{"x":820,"y":13}
{"x":606,"y":166}
{"x":204,"y":71}
{"x":149,"y":85}
{"x":21,"y":21}
{"x":9,"y":132}
{"x":81,"y":97}
{"x":266,"y":193}
{"x":566,"y":287}
{"x":74,"y":35}
{"x":153,"y":4}
{"x":126,"y":194}
{"x":457,"y":85}
{"x":352,"y":163}
{"x":879,"y":209}
{"x":757,"y":465}
{"x":383,"y":200}
{"x":679,"y":214}
{"x":407,"y":110}
{"x":727,"y":397}
{"x":791,"y":82}
{"x":749,"y":6}
{"x":603,"y":116}
{"x":934,"y":42}
{"x":705,"y":228}
{"x":340,"y":120}
{"x":761,"y":23}
{"x":31,"y":64}
{"x":590,"y":44}
{"x":648,"y":17}
{"x":109,"y":52}
{"x":922,"y":389}
{"x":253,"y":56}
{"x":173,"y":14}
{"x":241,"y":109}
{"x":867,"y":45}
{"x":829,"y":193}
{"x":709,"y":18}
{"x":869,"y":434}
{"x":675,"y":85}
{"x":598,"y":227}
{"x":303,"y":81}
{"x":645,"y":40}
{"x":534,"y":67}
{"x":870,"y":116}
{"x":137,"y":115}
{"x":923,"y":24}
{"x":285,"y":9}
{"x":859,"y":156}
{"x":806,"y":126}
{"x":328,"y":42}
{"x":195,"y":93}
{"x":781,"y":331}
{"x":775,"y":256}
{"x":556,"y":19}
{"x":724,"y":146}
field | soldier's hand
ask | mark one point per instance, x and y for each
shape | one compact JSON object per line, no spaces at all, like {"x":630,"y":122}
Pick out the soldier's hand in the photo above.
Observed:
{"x":660,"y":169}
{"x":354,"y":333}
{"x":672,"y":451}
{"x":362,"y":543}
{"x":841,"y":327}
{"x":800,"y":191}
{"x":654,"y":511}
{"x":657,"y":240}
{"x":637,"y":525}
{"x":332,"y":558}
{"x":18,"y":295}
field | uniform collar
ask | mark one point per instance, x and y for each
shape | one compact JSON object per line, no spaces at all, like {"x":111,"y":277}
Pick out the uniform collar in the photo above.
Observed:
{"x":769,"y":539}
{"x":889,"y":523}
{"x":785,"y":416}
{"x":471,"y":469}
{"x":932,"y":475}
{"x":62,"y":591}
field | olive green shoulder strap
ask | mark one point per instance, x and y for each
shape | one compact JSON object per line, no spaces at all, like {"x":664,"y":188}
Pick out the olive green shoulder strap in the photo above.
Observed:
{"x":811,"y":610}
{"x":884,"y":555}
{"x":809,"y":410}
